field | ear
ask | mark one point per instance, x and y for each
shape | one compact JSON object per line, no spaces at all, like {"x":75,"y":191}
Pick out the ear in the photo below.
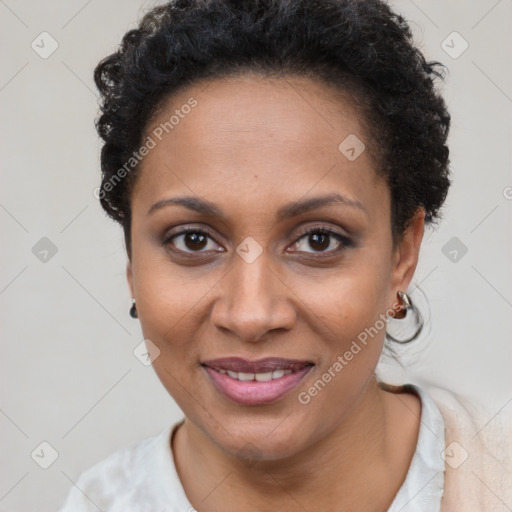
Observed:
{"x":405,"y":256}
{"x":129,"y":277}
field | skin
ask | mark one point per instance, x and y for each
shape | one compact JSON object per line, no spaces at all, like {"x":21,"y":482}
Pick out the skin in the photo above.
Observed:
{"x":251,"y":146}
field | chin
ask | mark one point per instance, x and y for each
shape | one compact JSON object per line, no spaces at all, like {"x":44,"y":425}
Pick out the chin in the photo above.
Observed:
{"x":263,"y":440}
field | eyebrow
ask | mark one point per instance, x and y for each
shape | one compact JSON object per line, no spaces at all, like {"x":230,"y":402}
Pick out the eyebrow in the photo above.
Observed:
{"x":285,"y":212}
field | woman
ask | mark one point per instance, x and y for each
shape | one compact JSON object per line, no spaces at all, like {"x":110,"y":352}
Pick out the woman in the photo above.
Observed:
{"x":273,"y":164}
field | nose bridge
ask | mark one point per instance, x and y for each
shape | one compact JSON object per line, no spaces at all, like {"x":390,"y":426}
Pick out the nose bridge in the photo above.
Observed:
{"x":252,"y":301}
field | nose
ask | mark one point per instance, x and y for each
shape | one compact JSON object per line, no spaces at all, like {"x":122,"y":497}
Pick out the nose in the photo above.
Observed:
{"x":253,"y":301}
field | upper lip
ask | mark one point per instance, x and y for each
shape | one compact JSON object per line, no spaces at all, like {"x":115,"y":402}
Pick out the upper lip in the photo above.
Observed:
{"x":267,"y":364}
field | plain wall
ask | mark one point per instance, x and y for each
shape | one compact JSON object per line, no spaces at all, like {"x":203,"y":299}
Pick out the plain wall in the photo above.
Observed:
{"x":68,"y":373}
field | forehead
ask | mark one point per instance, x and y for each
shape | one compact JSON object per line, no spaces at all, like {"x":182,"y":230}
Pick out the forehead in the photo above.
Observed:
{"x":289,"y":111}
{"x":280,"y":136}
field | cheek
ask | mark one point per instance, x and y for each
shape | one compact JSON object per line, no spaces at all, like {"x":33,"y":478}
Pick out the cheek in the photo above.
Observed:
{"x":349,"y":343}
{"x":351,"y":302}
{"x":169,"y":308}
{"x":169,"y":303}
{"x":351,"y":328}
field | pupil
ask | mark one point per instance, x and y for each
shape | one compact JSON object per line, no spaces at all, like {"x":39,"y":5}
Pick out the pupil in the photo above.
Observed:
{"x":195,"y":241}
{"x":320,"y":240}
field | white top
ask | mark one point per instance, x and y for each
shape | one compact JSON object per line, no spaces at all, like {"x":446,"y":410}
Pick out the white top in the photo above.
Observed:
{"x":143,"y":477}
{"x":423,"y":487}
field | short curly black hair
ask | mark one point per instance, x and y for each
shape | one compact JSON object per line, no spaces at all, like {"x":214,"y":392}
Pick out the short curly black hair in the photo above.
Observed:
{"x":361,"y":47}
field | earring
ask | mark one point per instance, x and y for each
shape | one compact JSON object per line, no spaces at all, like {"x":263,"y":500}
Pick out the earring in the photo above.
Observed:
{"x":133,"y":310}
{"x":408,"y":327}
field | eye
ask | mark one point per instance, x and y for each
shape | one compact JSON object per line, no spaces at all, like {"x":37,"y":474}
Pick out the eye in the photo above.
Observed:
{"x":200,"y":240}
{"x":322,"y":240}
{"x":190,"y":240}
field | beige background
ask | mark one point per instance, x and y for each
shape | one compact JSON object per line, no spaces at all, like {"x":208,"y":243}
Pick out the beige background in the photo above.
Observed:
{"x":68,"y":373}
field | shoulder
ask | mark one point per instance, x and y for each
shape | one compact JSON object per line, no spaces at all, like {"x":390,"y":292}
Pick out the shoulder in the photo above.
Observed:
{"x":125,"y":478}
{"x":464,"y":416}
{"x":484,"y":426}
{"x":478,"y":451}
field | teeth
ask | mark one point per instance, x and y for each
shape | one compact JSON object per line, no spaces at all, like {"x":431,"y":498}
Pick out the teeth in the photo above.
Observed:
{"x":263,"y":377}
{"x":260,"y":377}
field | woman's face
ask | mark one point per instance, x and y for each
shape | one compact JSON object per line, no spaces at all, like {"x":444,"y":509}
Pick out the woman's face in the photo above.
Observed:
{"x":261,"y":165}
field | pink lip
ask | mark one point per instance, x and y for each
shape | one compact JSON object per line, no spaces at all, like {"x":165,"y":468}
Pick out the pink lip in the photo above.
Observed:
{"x":256,"y":392}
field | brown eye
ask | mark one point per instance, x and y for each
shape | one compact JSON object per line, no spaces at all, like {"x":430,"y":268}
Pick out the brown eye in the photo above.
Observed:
{"x":192,"y":240}
{"x":321,"y":240}
{"x":195,"y":241}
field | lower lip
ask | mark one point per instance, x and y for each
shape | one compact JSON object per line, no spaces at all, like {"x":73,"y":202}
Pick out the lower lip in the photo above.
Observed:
{"x":254,"y":392}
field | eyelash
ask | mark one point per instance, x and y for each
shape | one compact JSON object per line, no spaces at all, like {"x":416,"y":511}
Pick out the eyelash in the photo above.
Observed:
{"x":345,"y":242}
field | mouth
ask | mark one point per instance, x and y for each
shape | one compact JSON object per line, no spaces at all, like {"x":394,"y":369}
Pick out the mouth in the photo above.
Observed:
{"x":256,"y":382}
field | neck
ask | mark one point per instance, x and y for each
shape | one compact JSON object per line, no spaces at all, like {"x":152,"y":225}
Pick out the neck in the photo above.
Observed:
{"x":348,"y":468}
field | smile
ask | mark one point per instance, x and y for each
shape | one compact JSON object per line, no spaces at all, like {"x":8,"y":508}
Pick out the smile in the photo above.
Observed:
{"x":255,"y":382}
{"x":260,"y":377}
